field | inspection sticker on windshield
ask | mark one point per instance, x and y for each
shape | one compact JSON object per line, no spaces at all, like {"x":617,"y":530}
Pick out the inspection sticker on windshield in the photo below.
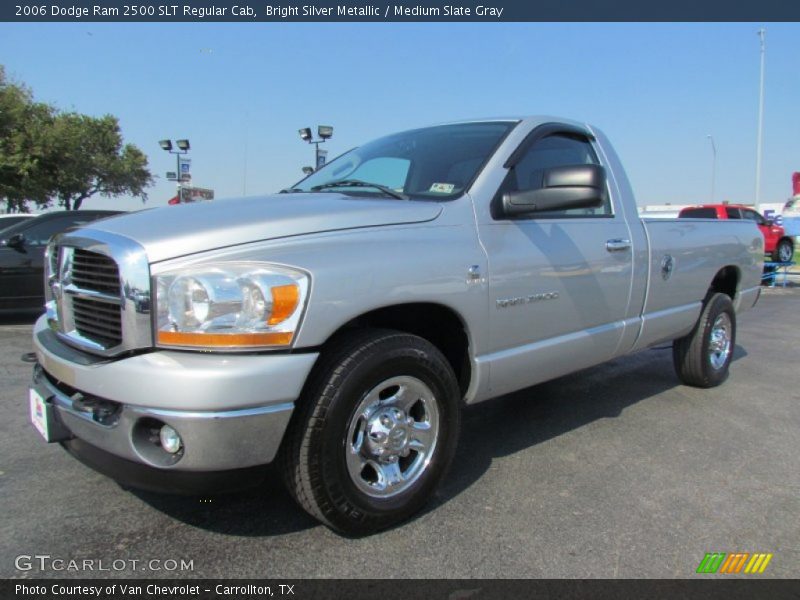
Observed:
{"x":443,"y":188}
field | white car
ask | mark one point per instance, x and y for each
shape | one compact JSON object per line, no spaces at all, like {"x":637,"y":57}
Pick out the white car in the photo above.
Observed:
{"x":791,"y":216}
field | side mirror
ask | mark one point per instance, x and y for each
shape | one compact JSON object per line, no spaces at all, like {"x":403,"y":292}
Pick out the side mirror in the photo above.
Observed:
{"x":562,"y":188}
{"x":16,"y":241}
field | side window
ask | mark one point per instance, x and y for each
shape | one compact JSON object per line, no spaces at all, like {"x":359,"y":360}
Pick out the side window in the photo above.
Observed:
{"x":558,"y":150}
{"x":754,"y":216}
{"x":733,"y":213}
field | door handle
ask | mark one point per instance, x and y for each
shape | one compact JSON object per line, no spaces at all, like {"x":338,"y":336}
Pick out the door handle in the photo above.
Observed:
{"x":617,"y":245}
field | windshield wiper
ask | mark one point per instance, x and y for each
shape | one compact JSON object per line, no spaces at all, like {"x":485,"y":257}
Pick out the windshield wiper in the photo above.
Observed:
{"x":358,"y":183}
{"x":290,"y":191}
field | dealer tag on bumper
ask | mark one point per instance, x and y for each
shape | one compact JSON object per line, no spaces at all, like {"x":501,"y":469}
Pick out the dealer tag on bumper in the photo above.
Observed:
{"x":44,"y":419}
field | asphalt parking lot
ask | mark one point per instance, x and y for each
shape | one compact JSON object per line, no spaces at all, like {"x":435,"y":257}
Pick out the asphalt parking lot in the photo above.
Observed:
{"x":617,"y":471}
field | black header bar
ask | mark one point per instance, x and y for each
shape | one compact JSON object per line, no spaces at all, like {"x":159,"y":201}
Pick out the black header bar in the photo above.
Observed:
{"x":398,"y":589}
{"x":321,"y":11}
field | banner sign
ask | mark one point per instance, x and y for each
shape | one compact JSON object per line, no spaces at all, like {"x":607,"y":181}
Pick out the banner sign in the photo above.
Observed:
{"x":195,"y":194}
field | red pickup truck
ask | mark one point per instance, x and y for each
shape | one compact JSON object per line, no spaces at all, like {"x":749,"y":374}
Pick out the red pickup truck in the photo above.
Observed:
{"x":777,"y":244}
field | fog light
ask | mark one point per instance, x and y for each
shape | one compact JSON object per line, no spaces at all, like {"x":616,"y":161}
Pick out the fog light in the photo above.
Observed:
{"x":170,"y":440}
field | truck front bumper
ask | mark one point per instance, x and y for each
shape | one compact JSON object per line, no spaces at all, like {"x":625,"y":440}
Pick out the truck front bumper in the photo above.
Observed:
{"x":230,"y":411}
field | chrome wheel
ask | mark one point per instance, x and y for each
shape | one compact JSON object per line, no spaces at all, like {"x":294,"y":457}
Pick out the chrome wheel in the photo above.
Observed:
{"x":719,"y":345}
{"x":392,"y":436}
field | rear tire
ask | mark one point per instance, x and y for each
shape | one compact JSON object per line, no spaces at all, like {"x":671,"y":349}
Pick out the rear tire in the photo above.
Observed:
{"x":375,"y":431}
{"x":703,"y":357}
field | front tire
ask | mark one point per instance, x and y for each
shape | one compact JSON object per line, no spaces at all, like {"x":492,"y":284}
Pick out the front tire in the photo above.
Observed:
{"x":703,"y":357}
{"x":375,"y":431}
{"x":784,"y":251}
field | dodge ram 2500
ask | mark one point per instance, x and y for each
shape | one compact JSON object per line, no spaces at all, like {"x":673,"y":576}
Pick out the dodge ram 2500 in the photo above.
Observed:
{"x":338,"y":327}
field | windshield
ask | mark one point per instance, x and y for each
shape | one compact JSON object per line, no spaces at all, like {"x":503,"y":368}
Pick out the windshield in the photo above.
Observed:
{"x":792,"y":207}
{"x":434,"y":162}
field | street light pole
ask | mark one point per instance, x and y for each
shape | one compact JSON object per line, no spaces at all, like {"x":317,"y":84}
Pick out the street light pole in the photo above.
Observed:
{"x":761,"y":34}
{"x":713,"y":165}
{"x":178,"y":172}
{"x":316,"y":153}
{"x":324,"y":133}
{"x":183,"y":148}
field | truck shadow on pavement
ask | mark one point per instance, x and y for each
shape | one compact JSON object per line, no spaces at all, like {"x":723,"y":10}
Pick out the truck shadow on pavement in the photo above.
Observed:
{"x":490,"y":430}
{"x":263,"y":510}
{"x":540,"y":413}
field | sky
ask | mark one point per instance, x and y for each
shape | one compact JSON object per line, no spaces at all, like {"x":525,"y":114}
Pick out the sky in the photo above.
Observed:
{"x":239,"y":93}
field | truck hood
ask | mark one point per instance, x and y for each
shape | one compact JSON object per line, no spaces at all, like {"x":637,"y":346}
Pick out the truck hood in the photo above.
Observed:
{"x":174,"y":231}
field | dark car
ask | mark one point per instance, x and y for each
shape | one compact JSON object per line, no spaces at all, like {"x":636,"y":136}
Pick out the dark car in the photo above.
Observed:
{"x":22,"y":249}
{"x":7,"y":220}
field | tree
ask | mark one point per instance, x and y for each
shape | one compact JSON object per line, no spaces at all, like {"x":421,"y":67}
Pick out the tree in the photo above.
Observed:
{"x":23,"y":150}
{"x":48,"y":156}
{"x":89,"y":158}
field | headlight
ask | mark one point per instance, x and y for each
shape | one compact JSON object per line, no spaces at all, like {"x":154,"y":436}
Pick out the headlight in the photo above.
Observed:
{"x":229,"y":306}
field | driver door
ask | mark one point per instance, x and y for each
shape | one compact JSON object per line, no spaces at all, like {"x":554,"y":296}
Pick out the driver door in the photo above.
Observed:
{"x":559,"y":282}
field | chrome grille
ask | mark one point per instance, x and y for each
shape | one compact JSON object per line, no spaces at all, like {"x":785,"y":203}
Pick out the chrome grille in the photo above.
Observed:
{"x":97,"y":321}
{"x":98,"y":292}
{"x":95,"y":272}
{"x":52,"y":256}
{"x":95,"y":318}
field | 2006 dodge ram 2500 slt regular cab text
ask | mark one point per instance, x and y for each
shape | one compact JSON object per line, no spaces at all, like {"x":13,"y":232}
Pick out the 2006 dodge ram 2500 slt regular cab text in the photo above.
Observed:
{"x":339,"y":326}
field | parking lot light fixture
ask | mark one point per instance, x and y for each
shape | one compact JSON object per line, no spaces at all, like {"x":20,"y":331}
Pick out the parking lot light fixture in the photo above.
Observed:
{"x":183,"y":144}
{"x":165,"y":145}
{"x":324,"y":132}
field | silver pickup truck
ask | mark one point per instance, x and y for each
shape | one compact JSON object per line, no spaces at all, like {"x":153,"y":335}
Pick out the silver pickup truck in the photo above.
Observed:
{"x":338,"y":327}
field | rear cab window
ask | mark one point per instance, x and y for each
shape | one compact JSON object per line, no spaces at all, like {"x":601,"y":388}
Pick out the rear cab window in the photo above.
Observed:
{"x":698,"y":213}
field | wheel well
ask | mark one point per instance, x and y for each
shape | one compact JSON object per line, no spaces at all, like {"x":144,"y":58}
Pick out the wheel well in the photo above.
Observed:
{"x":726,"y":281}
{"x":438,"y":324}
